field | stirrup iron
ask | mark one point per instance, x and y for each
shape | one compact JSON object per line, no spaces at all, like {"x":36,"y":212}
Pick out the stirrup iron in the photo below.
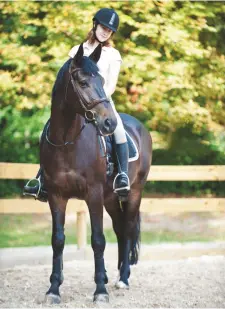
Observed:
{"x":35,"y":195}
{"x":127,"y":188}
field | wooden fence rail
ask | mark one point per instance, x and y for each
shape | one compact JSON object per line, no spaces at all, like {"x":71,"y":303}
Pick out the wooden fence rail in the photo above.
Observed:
{"x":158,"y":172}
{"x":153,"y":205}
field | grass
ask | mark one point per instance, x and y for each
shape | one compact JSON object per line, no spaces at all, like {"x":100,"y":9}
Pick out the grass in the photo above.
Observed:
{"x":35,"y":230}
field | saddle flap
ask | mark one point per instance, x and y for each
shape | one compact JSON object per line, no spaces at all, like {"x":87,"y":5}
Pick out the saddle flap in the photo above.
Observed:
{"x":106,"y":147}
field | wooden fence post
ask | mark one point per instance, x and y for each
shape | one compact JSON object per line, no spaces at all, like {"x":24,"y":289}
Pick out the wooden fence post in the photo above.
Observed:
{"x":81,"y":229}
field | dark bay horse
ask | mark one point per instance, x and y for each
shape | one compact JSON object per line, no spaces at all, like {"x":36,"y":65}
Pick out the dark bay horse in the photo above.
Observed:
{"x":73,"y":167}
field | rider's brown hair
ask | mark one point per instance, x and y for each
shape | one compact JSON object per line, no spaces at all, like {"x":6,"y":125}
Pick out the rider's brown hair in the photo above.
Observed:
{"x":91,"y":39}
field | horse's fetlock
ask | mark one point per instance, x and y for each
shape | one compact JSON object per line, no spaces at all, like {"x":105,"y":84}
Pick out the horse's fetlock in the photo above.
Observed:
{"x":101,"y":277}
{"x":125,"y":271}
{"x":57,"y":278}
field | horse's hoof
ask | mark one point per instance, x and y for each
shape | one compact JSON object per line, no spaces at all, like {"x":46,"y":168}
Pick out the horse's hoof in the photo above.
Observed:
{"x":121,"y":285}
{"x":51,"y":299}
{"x":103,"y":298}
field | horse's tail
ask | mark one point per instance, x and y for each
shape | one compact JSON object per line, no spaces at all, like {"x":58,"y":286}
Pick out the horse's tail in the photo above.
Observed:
{"x":135,"y":242}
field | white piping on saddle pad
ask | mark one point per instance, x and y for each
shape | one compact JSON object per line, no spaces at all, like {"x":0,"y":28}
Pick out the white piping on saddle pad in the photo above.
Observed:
{"x":136,"y":149}
{"x":137,"y":152}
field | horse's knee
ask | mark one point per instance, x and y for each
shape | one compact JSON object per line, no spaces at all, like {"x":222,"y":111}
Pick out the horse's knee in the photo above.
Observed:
{"x":58,"y":240}
{"x":98,"y":242}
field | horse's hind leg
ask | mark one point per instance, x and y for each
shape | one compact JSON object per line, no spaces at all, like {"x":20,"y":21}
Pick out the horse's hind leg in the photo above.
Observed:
{"x":131,"y":237}
{"x":58,"y":207}
{"x":117,"y":215}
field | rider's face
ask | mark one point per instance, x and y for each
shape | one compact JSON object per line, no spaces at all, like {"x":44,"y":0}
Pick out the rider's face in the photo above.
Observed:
{"x":103,"y":33}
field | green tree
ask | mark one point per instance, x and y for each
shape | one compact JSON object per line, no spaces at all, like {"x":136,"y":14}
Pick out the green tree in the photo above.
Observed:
{"x":172,"y":76}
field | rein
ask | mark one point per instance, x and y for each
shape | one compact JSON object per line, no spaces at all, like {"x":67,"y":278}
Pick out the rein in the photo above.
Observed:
{"x":66,"y":143}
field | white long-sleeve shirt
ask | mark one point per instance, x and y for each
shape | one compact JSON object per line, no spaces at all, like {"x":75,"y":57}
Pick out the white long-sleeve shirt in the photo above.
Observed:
{"x":108,"y":64}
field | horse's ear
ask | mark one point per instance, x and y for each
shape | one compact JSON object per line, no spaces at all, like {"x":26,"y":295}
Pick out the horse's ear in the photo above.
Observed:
{"x":95,"y":56}
{"x":78,"y":57}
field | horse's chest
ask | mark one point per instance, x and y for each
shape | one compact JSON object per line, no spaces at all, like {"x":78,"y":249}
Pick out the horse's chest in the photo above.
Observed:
{"x":71,"y":178}
{"x":70,"y":182}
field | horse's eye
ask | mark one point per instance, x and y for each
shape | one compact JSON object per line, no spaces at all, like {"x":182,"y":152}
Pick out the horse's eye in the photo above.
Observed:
{"x":83,"y":83}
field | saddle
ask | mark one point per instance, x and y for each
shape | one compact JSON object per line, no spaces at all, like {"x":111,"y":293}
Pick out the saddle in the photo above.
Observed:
{"x":107,"y":150}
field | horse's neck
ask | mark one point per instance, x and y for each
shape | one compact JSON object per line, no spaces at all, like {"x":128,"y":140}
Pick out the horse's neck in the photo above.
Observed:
{"x":64,"y":127}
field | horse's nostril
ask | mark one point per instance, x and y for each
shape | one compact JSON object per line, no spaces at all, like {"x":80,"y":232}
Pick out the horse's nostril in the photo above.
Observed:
{"x":107,"y":123}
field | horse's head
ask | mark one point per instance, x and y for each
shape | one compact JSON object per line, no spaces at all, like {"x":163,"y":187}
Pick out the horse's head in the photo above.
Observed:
{"x":88,"y":88}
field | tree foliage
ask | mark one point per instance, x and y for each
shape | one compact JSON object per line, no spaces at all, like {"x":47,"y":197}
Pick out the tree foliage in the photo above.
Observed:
{"x":172,"y":77}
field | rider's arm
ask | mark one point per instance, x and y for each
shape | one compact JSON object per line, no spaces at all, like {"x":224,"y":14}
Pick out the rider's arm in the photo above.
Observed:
{"x":113,"y":74}
{"x":73,"y":51}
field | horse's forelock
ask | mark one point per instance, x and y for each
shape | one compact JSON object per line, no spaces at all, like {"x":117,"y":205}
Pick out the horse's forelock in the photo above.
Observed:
{"x":89,"y":66}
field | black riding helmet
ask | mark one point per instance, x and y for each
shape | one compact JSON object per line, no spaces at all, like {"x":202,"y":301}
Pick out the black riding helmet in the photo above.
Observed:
{"x":108,"y":18}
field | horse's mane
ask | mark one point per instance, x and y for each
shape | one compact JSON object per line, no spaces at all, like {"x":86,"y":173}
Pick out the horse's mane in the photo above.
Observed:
{"x":59,"y":82}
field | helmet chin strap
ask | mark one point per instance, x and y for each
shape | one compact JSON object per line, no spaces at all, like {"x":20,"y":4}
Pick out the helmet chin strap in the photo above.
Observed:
{"x":95,"y":24}
{"x":97,"y":38}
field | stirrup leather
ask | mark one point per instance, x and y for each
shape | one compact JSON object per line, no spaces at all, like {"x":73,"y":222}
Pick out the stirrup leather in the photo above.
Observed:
{"x":122,"y":188}
{"x":35,"y":195}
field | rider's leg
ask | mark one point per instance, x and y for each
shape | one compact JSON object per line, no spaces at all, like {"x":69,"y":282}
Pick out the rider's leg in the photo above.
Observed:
{"x":38,"y":191}
{"x":121,"y":181}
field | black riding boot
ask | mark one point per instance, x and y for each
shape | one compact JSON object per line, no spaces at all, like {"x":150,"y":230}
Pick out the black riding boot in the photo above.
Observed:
{"x":38,"y":191}
{"x":121,"y":184}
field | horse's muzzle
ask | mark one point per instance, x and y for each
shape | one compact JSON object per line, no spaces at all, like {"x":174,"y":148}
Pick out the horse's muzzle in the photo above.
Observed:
{"x":109,"y":126}
{"x":104,"y":116}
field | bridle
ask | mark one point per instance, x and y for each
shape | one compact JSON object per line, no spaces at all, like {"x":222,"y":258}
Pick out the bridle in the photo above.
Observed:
{"x":87,"y":107}
{"x":89,"y":115}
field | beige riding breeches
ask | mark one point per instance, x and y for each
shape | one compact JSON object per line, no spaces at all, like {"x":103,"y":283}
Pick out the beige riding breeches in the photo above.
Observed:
{"x":119,"y":133}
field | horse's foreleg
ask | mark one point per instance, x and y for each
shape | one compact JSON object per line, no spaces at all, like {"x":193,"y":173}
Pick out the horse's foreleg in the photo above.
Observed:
{"x":95,"y":205}
{"x":58,"y":207}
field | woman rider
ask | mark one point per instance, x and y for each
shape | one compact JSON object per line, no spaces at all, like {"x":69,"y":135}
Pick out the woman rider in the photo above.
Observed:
{"x":105,"y":24}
